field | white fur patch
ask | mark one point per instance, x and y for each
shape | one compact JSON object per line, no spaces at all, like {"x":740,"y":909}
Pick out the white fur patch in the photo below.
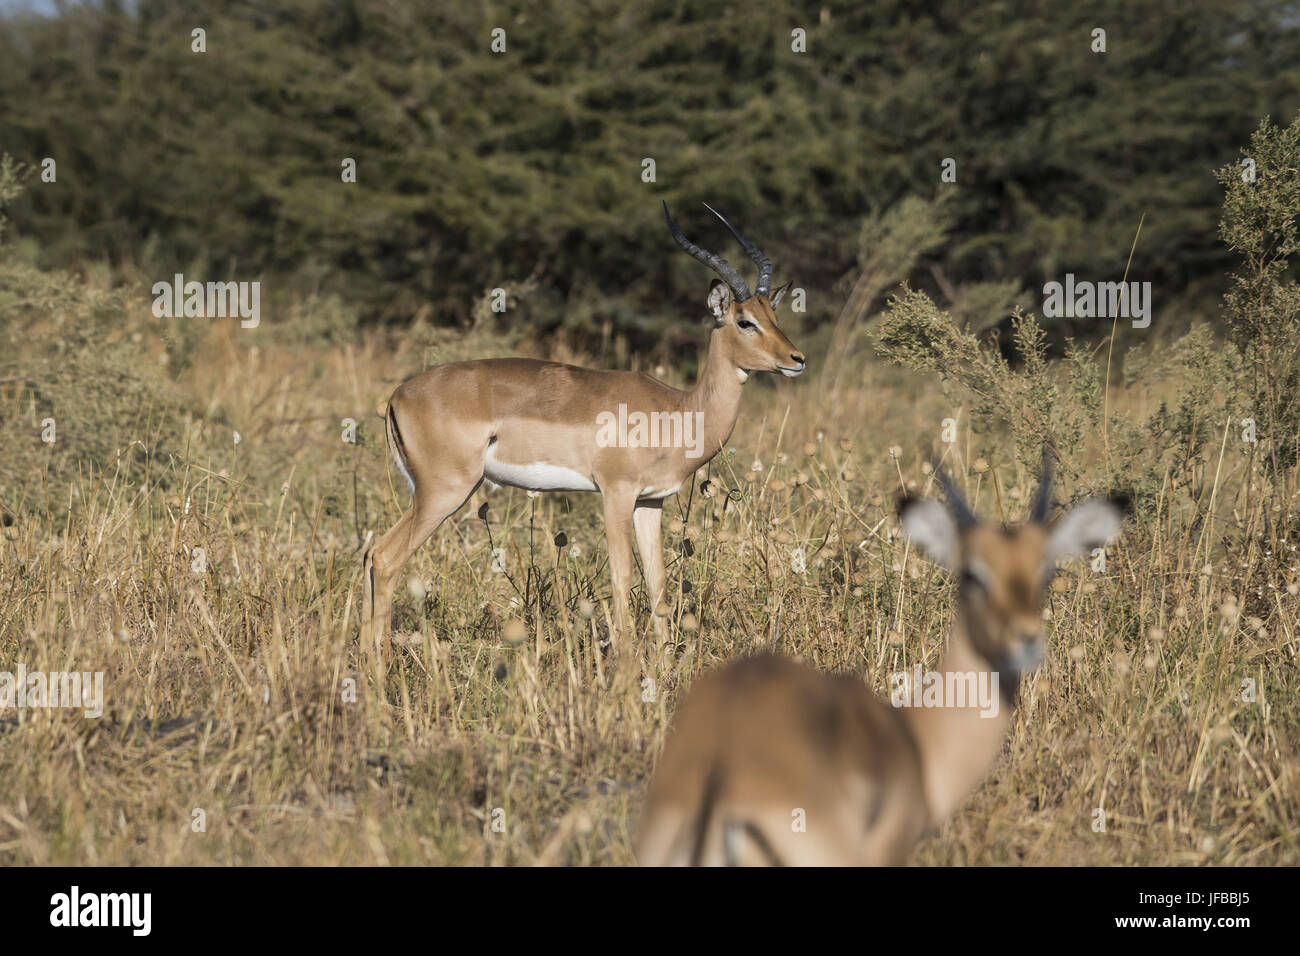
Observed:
{"x":929,"y":526}
{"x":1088,"y":526}
{"x":655,"y":494}
{"x":538,"y":476}
{"x":401,"y":466}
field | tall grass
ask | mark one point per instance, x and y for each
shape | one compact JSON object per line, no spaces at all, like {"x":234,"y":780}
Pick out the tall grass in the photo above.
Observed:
{"x":227,"y":690}
{"x":242,"y":724}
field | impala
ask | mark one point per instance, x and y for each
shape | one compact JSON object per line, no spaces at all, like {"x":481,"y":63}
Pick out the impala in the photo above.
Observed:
{"x":551,"y":427}
{"x":770,"y":762}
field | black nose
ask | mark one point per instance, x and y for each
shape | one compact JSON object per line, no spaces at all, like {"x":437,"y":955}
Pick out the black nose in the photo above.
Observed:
{"x":797,"y":358}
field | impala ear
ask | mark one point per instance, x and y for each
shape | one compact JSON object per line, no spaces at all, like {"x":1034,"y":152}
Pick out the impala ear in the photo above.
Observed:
{"x":1084,"y":528}
{"x":719,"y":298}
{"x":779,"y":294}
{"x":932,"y":528}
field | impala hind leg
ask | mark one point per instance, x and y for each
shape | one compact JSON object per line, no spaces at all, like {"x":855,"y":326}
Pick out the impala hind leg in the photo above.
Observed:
{"x":385,"y":560}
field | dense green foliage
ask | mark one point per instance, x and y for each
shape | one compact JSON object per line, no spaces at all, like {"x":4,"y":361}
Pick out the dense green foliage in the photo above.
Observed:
{"x":1254,"y":371}
{"x":478,"y":170}
{"x":1263,"y":304}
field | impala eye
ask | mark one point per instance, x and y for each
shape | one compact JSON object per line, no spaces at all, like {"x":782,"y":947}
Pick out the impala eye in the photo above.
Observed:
{"x":747,"y":325}
{"x":972,"y":581}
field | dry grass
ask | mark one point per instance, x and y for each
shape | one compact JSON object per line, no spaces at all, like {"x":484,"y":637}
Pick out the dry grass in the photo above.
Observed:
{"x":226,"y":690}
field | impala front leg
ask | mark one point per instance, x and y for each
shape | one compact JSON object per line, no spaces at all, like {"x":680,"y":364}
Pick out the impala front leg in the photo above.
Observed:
{"x":619,"y":506}
{"x":648,"y":520}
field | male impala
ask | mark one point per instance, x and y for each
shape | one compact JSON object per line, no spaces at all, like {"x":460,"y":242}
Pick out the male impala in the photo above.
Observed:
{"x":551,"y":427}
{"x":766,"y":744}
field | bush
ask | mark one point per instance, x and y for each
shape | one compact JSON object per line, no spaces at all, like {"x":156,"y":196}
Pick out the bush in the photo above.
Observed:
{"x":75,"y":358}
{"x":1262,"y":306}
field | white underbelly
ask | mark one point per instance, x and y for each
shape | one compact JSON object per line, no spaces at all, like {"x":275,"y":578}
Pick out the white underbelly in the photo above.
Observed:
{"x":539,"y":476}
{"x":653,"y":493}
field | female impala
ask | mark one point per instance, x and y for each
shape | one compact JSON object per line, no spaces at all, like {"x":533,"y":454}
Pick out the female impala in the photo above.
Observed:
{"x":772,"y":762}
{"x":551,"y":427}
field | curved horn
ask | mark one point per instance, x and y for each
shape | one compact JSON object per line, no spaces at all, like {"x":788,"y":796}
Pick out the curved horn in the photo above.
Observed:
{"x":763,"y":262}
{"x":956,"y":503}
{"x":715,"y":262}
{"x":1043,"y":499}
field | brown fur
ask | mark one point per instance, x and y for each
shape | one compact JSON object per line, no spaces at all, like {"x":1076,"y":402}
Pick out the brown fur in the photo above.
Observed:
{"x":443,"y":422}
{"x":779,"y":737}
{"x":774,"y":736}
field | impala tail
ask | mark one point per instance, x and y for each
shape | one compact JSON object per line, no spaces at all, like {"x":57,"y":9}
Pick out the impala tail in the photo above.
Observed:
{"x":738,"y":835}
{"x":704,"y":819}
{"x":713,"y":835}
{"x":396,"y":447}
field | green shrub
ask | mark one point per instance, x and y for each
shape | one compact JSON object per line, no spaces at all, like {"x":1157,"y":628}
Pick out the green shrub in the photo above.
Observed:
{"x":74,"y":357}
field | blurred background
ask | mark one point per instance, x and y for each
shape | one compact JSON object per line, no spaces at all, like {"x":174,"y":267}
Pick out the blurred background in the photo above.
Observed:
{"x":524,"y":169}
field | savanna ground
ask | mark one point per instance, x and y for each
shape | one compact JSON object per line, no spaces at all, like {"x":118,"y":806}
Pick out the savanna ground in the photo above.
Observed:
{"x":242,"y":724}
